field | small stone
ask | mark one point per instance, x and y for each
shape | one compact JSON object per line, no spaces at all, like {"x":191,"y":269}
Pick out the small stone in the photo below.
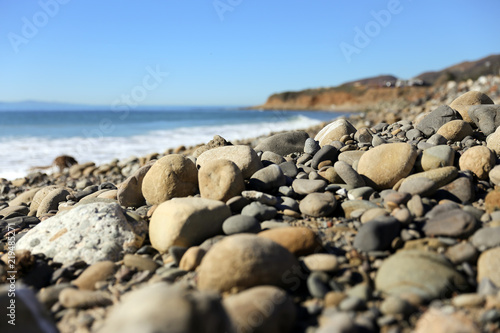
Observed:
{"x":395,"y":305}
{"x":170,"y":177}
{"x":351,"y":157}
{"x":323,"y":262}
{"x":139,"y":262}
{"x":486,"y":117}
{"x":468,"y":300}
{"x":479,"y":159}
{"x":441,"y":177}
{"x":361,"y":193}
{"x":220,"y":180}
{"x":463,"y":102}
{"x":436,"y":157}
{"x":318,"y":204}
{"x":270,"y":157}
{"x":268,"y":178}
{"x":311,"y":146}
{"x":418,"y":186}
{"x":82,"y":299}
{"x":460,"y":190}
{"x":486,"y":238}
{"x":289,"y":169}
{"x":326,"y":153}
{"x":437,"y":118}
{"x":130,"y":191}
{"x":252,"y":261}
{"x":333,"y":298}
{"x":307,"y":186}
{"x":186,"y":222}
{"x":245,"y":158}
{"x":317,"y":284}
{"x":377,"y":234}
{"x":350,"y":206}
{"x":278,"y":316}
{"x":334,"y":131}
{"x":284,"y":143}
{"x":363,"y":135}
{"x":493,"y":141}
{"x":51,"y":201}
{"x":192,"y":258}
{"x":237,"y":224}
{"x":299,"y":241}
{"x":461,"y":252}
{"x":385,"y":165}
{"x":492,"y":201}
{"x":259,"y":211}
{"x":455,"y":130}
{"x":453,"y":223}
{"x":331,"y":176}
{"x":437,"y":321}
{"x":100,"y":271}
{"x":348,"y":174}
{"x":288,"y":204}
{"x":351,"y":303}
{"x":488,"y":266}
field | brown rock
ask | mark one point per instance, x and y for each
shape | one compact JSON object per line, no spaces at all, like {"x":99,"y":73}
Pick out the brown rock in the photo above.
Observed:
{"x":493,"y":141}
{"x":25,"y":197}
{"x":324,"y":262}
{"x":192,"y":258}
{"x":51,"y":201}
{"x":220,"y":180}
{"x":100,"y":271}
{"x":436,"y":321}
{"x":245,"y":158}
{"x":462,"y":103}
{"x":130,"y":191}
{"x":455,"y":130}
{"x":479,"y":159}
{"x":82,"y":299}
{"x":170,"y":177}
{"x":298,"y":240}
{"x":488,"y":266}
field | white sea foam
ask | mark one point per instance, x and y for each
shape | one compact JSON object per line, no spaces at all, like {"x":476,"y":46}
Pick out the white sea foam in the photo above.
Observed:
{"x":22,"y":153}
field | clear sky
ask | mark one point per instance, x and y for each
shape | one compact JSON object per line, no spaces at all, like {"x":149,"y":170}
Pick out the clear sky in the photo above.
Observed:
{"x":227,"y":52}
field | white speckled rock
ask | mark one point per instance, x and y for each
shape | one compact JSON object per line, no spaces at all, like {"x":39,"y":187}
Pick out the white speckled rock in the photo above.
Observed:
{"x":92,"y":232}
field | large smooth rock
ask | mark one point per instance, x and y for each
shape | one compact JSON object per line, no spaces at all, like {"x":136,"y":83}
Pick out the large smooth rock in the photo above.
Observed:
{"x":488,"y":266}
{"x":38,"y":198}
{"x":385,"y":165}
{"x":463,"y":102}
{"x":479,"y":159}
{"x":170,"y":177}
{"x":377,"y":234}
{"x":24,"y":198}
{"x":220,"y":180}
{"x":334,"y":131}
{"x":300,"y":241}
{"x":264,"y":309}
{"x":160,"y":308}
{"x":130,"y":191}
{"x":240,"y":262}
{"x":486,"y":117}
{"x":437,"y":118}
{"x":186,"y":222}
{"x":92,"y":232}
{"x":426,"y":274}
{"x":284,"y":143}
{"x":245,"y":158}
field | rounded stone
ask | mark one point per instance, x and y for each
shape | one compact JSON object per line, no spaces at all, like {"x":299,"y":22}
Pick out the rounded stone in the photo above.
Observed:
{"x":453,"y":223}
{"x":486,"y":237}
{"x":130,"y":191}
{"x":462,"y":103}
{"x":334,"y":131}
{"x":323,"y":262}
{"x":348,"y":174}
{"x":493,"y":141}
{"x":51,"y":201}
{"x":268,"y":178}
{"x":100,"y":271}
{"x":284,"y":143}
{"x":307,"y":186}
{"x":455,"y":130}
{"x":186,"y":222}
{"x":259,"y":211}
{"x":300,"y":241}
{"x":385,"y":165}
{"x":252,"y":261}
{"x":478,"y":159}
{"x":238,"y":224}
{"x":377,"y":234}
{"x":436,"y":157}
{"x":245,"y":158}
{"x":170,"y":177}
{"x":318,"y":204}
{"x":220,"y":180}
{"x":192,"y":258}
{"x":488,"y":266}
{"x":495,"y":175}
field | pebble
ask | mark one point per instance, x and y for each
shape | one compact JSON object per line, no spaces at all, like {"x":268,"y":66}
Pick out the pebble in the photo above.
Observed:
{"x":330,"y":175}
{"x":334,"y":132}
{"x":268,"y":178}
{"x":100,"y":271}
{"x":139,"y":262}
{"x":270,"y":157}
{"x":245,"y":158}
{"x":284,"y":143}
{"x":326,"y":153}
{"x":317,"y":284}
{"x":288,"y":203}
{"x":323,"y":262}
{"x":170,"y":177}
{"x":261,"y":197}
{"x":453,"y":223}
{"x":350,"y":206}
{"x":252,"y":261}
{"x":436,"y":157}
{"x":220,"y":180}
{"x":486,"y":238}
{"x":348,"y":174}
{"x":479,"y":159}
{"x":289,"y":169}
{"x":488,"y":266}
{"x":437,"y":321}
{"x":186,"y":222}
{"x":462,"y":252}
{"x":455,"y":130}
{"x":377,"y":234}
{"x":192,"y":258}
{"x":460,"y":190}
{"x":130,"y":191}
{"x":311,"y":146}
{"x":361,"y":193}
{"x":393,"y":305}
{"x":238,"y":224}
{"x":307,"y":186}
{"x":351,"y":303}
{"x":299,"y":241}
{"x":74,"y":298}
{"x":435,"y":119}
{"x":493,"y":143}
{"x":385,"y":165}
{"x":318,"y":204}
{"x":422,"y":186}
{"x":92,"y":232}
{"x":485,"y":117}
{"x":259,"y":211}
{"x":441,"y":177}
{"x":51,"y":201}
{"x":363,"y":135}
{"x":468,"y":300}
{"x":464,"y":101}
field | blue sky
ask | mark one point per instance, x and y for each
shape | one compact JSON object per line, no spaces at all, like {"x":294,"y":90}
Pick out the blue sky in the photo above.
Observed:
{"x":227,"y":52}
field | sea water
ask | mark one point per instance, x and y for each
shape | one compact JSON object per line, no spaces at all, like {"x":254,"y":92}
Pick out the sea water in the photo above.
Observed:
{"x":34,"y":138}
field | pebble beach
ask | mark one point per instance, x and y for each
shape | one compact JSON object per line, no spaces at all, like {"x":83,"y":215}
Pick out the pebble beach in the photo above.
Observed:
{"x":382,"y":221}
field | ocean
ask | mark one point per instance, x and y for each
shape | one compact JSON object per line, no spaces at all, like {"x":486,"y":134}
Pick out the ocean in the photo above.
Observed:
{"x":35,"y":138}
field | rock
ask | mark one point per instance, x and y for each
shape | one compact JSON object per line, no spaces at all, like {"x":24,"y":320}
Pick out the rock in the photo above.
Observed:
{"x":24,"y":198}
{"x":307,"y":186}
{"x":455,"y":130}
{"x":351,"y":157}
{"x":238,"y":224}
{"x":300,"y":241}
{"x":460,"y":190}
{"x":259,"y":211}
{"x":92,"y":233}
{"x":436,"y":157}
{"x":441,"y":177}
{"x":318,"y":204}
{"x":220,"y":180}
{"x":464,"y":101}
{"x":288,"y":203}
{"x":261,"y":197}
{"x":384,"y":165}
{"x":326,"y":153}
{"x":339,"y":322}
{"x":284,"y":143}
{"x":493,"y":141}
{"x":486,"y":238}
{"x":268,"y":178}
{"x":323,"y":262}
{"x":395,"y":305}
{"x":51,"y":201}
{"x":479,"y":159}
{"x":492,"y":201}
{"x":330,"y":175}
{"x":334,"y":131}
{"x":486,"y":117}
{"x":139,"y":262}
{"x":274,"y":309}
{"x":38,"y":197}
{"x":289,"y":169}
{"x":252,"y":261}
{"x":488,"y":266}
{"x":245,"y":158}
{"x":435,"y":140}
{"x":377,"y":234}
{"x":165,"y":309}
{"x":186,"y":222}
{"x":170,"y":177}
{"x":418,"y":186}
{"x":426,"y":274}
{"x":270,"y":157}
{"x":130,"y":191}
{"x":83,"y":299}
{"x":192,"y":258}
{"x":100,"y":271}
{"x":317,"y":284}
{"x":468,"y":300}
{"x":437,"y":321}
{"x":216,"y":142}
{"x":363,"y":135}
{"x":453,"y":223}
{"x":348,"y":174}
{"x":437,"y":118}
{"x":311,"y":146}
{"x":360,"y":193}
{"x":350,"y":206}
{"x":462,"y":252}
